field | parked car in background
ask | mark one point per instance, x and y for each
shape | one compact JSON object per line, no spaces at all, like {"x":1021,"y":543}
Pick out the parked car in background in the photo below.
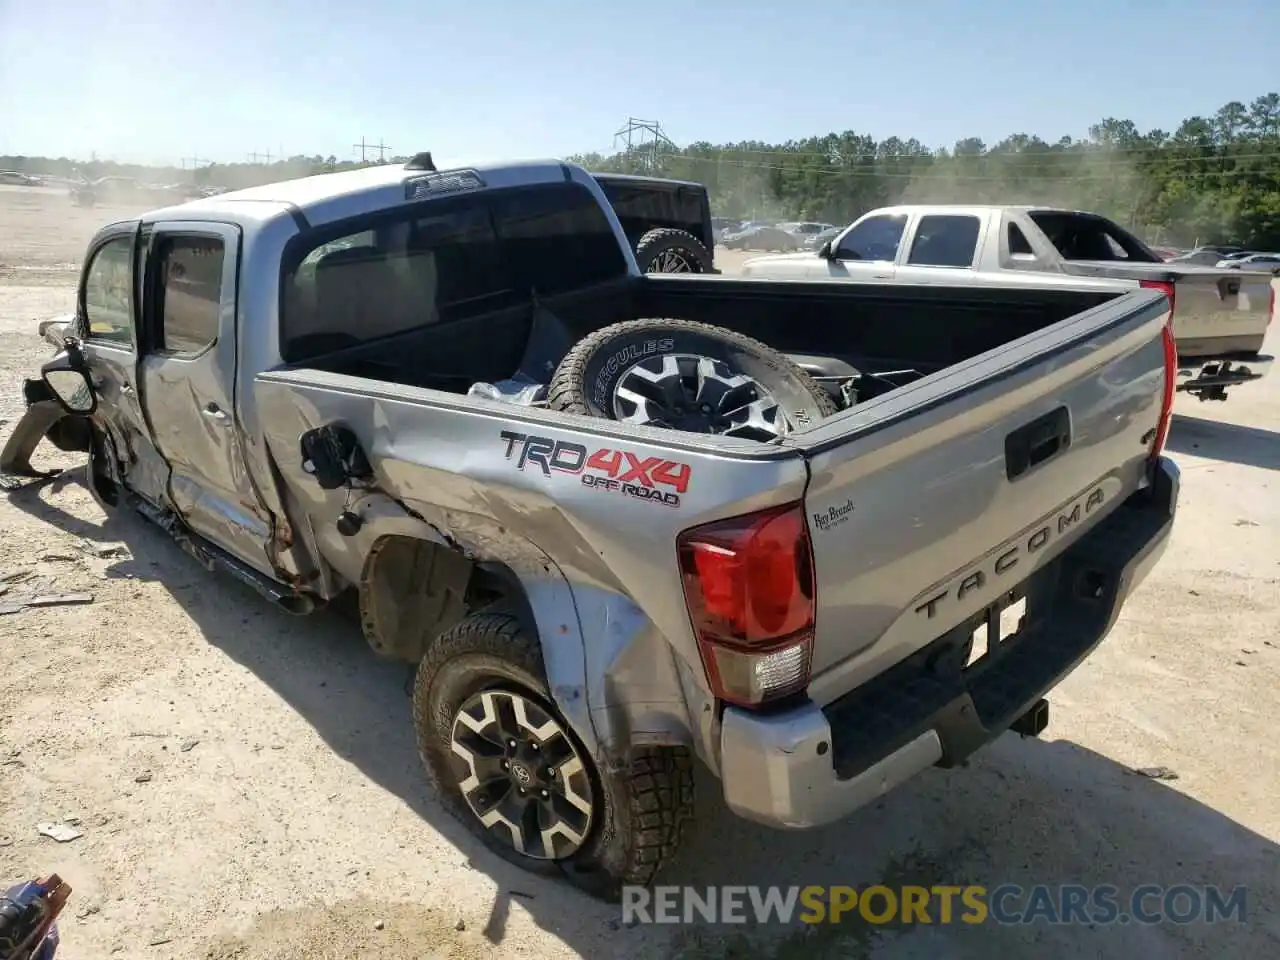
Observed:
{"x":1254,"y":263}
{"x":128,"y":191}
{"x":1166,"y":253}
{"x":1220,"y":316}
{"x":805,"y":229}
{"x":1207,"y":256}
{"x":816,"y":240}
{"x":722,"y":225}
{"x":15,"y":178}
{"x":761,"y":237}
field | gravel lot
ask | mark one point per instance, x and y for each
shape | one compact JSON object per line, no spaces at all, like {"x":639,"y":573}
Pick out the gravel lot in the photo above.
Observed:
{"x":252,"y":778}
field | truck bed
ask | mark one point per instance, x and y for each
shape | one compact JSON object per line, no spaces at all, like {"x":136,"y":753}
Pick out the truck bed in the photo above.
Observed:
{"x":824,"y":325}
{"x":1034,"y":419}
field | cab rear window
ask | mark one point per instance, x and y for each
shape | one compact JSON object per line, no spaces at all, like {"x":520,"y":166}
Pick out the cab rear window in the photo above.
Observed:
{"x":439,"y":261}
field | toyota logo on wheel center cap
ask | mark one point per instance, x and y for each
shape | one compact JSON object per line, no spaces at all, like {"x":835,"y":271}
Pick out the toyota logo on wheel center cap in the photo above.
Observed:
{"x":521,"y":774}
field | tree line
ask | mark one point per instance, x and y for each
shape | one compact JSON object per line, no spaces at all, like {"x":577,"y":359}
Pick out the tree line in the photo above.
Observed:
{"x":1214,"y":179}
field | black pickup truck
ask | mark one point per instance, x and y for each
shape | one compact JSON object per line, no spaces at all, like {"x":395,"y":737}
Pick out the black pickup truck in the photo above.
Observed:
{"x":667,"y":222}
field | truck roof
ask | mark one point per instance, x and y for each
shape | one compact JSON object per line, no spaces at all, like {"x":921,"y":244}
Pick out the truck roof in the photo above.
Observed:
{"x":641,"y":180}
{"x":910,"y":208}
{"x":326,"y":197}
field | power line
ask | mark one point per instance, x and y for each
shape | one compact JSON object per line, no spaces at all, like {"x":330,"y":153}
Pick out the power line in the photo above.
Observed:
{"x":366,"y":148}
{"x":256,"y":157}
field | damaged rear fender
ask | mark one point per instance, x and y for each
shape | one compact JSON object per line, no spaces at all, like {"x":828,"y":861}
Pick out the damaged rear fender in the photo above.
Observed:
{"x":415,"y":583}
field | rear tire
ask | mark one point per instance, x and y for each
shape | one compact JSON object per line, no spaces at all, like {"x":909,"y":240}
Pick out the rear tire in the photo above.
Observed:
{"x":665,"y":250}
{"x":602,"y":829}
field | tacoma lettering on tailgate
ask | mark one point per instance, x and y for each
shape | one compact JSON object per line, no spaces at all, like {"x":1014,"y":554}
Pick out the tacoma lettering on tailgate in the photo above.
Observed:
{"x":628,"y":474}
{"x":1000,"y":565}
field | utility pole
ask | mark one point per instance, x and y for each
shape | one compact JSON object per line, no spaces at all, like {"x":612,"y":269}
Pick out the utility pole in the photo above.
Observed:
{"x":195,"y":162}
{"x":643,"y":141}
{"x":366,"y":148}
{"x":256,"y":157}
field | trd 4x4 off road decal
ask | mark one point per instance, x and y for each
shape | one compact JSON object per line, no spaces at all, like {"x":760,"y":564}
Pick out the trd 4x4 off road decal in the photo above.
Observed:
{"x":614,"y":471}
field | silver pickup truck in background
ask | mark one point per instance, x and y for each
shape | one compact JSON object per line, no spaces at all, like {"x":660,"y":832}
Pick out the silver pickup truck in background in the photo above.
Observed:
{"x":621,"y":520}
{"x":1220,"y":316}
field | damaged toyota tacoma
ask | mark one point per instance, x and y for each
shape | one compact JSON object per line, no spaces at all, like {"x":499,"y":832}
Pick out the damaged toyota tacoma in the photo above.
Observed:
{"x":818,"y":536}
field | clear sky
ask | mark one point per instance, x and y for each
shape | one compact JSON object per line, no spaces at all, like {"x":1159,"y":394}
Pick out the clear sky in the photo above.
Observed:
{"x":493,"y":79}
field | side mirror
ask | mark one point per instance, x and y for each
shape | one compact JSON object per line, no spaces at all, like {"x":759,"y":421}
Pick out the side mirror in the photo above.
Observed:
{"x":67,"y":377}
{"x":825,"y":251}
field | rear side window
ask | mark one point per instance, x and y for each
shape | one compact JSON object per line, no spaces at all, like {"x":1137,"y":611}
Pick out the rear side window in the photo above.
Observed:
{"x":1082,"y":236}
{"x":442,"y":261}
{"x":400,"y":275}
{"x":108,"y":293}
{"x":190,"y":292}
{"x":948,"y":240}
{"x":875,"y":238}
{"x":1019,"y":245}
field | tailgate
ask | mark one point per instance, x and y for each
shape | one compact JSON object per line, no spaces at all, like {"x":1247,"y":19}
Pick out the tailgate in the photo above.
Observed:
{"x":1215,"y":311}
{"x":927,"y":505}
{"x":1223,"y":312}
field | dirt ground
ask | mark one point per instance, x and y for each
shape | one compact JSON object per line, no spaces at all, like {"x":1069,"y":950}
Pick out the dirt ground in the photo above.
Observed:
{"x":247,"y":786}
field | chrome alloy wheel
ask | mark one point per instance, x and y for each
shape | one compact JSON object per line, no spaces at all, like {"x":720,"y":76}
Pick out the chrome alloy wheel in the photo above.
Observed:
{"x":522,"y":775}
{"x":674,"y":260}
{"x":697,"y":395}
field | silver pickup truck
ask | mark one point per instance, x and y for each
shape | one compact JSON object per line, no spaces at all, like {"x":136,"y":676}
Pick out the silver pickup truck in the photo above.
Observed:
{"x":561,"y":487}
{"x":1220,"y":317}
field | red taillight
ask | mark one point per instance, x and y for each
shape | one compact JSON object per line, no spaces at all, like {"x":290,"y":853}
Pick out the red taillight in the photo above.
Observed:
{"x":1170,"y":368}
{"x":1170,"y":381}
{"x":749,"y":587}
{"x":1164,"y":287}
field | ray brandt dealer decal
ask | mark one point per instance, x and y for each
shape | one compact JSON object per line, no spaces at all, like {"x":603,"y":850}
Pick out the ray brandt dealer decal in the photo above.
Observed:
{"x":620,"y":472}
{"x":833,"y":516}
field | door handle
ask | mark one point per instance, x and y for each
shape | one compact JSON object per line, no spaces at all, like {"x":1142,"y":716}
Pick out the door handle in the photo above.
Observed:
{"x":214,"y":412}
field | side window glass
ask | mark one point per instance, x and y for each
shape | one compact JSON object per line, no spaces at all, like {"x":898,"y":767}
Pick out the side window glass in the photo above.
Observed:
{"x":1019,"y":245}
{"x":399,"y":276}
{"x":873,"y":239}
{"x":108,"y":295}
{"x":190,"y":292}
{"x":945,"y":241}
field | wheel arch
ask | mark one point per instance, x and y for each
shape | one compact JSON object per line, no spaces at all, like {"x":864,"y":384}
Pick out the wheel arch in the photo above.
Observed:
{"x":414,"y":584}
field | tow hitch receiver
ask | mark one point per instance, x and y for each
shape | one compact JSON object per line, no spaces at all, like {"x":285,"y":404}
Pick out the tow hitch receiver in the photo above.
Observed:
{"x":1033,"y":722}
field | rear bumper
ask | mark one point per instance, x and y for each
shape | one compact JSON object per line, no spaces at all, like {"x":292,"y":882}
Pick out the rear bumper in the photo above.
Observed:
{"x":812,"y":765}
{"x":1212,"y":374}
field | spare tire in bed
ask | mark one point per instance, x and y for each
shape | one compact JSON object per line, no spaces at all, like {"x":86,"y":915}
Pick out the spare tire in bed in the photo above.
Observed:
{"x":687,"y":376}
